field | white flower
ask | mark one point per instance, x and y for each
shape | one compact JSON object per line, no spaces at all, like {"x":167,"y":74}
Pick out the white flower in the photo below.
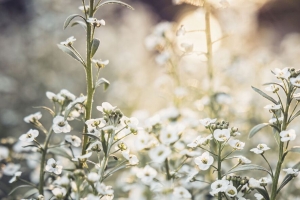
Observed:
{"x":275,"y":121}
{"x":60,"y":125}
{"x":82,"y":157}
{"x":33,"y":117}
{"x":104,"y":190}
{"x":189,"y":153}
{"x":69,"y":41}
{"x":133,"y":160}
{"x":242,"y":160}
{"x":284,"y":73}
{"x":106,"y":108}
{"x":288,"y":135}
{"x":187,"y":46}
{"x":159,"y":153}
{"x":59,"y":192}
{"x":96,"y":22}
{"x":91,"y":197}
{"x":73,"y":140}
{"x":95,"y":146}
{"x":143,"y":141}
{"x":100,"y":63}
{"x":231,"y":191}
{"x":219,"y":186}
{"x":169,"y":135}
{"x":264,"y":181}
{"x":4,"y":153}
{"x":204,"y":161}
{"x":87,"y":7}
{"x":253,"y":183}
{"x":94,"y":125}
{"x":181,"y":31}
{"x":93,"y":177}
{"x":10,"y":169}
{"x":29,"y":136}
{"x":291,"y":171}
{"x":296,"y":96}
{"x":236,"y":144}
{"x":63,"y":181}
{"x":14,"y":178}
{"x":162,"y":58}
{"x":261,"y":148}
{"x":222,"y":135}
{"x":272,"y":107}
{"x":295,"y":81}
{"x":259,"y":196}
{"x":147,"y":174}
{"x":131,"y":123}
{"x":52,"y":166}
{"x":181,"y":193}
{"x":68,"y":95}
{"x":272,"y":88}
{"x":207,"y":121}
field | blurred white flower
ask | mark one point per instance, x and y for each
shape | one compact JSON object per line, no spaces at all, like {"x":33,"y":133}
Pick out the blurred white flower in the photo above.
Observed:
{"x":104,"y":190}
{"x":207,"y":121}
{"x":169,"y":135}
{"x":264,"y":181}
{"x":33,"y":117}
{"x":181,"y":31}
{"x":53,"y":167}
{"x":180,"y":193}
{"x":187,"y":46}
{"x":159,"y":153}
{"x":284,"y":73}
{"x":200,"y":141}
{"x":275,"y":121}
{"x":261,"y":148}
{"x":73,"y":140}
{"x":91,"y":197}
{"x":96,"y":22}
{"x":94,"y":125}
{"x":204,"y":161}
{"x":106,"y":108}
{"x":82,"y":157}
{"x":63,"y":181}
{"x":253,"y":183}
{"x":242,"y":160}
{"x":54,"y":97}
{"x":95,"y":146}
{"x":222,"y":135}
{"x":67,"y":95}
{"x":10,"y":169}
{"x":162,"y":58}
{"x":14,"y":178}
{"x":143,"y":141}
{"x":189,"y":153}
{"x":295,"y":81}
{"x":60,"y":125}
{"x":272,"y":107}
{"x":147,"y":174}
{"x":4,"y":152}
{"x":259,"y":196}
{"x":29,"y":136}
{"x":236,"y":144}
{"x":69,"y":41}
{"x":287,"y":135}
{"x":219,"y":186}
{"x":93,"y":177}
{"x":100,"y":63}
{"x":59,"y":192}
{"x":132,"y":159}
{"x":291,"y":171}
{"x":87,"y":7}
{"x":272,"y":88}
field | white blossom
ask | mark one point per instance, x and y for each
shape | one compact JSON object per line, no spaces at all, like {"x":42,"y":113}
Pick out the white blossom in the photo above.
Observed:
{"x":14,"y":178}
{"x":207,"y":121}
{"x":159,"y":153}
{"x":231,"y":191}
{"x":284,"y":73}
{"x":10,"y":169}
{"x":204,"y":161}
{"x":67,"y":95}
{"x":60,"y":125}
{"x":96,"y":22}
{"x":82,"y":157}
{"x":59,"y":192}
{"x":272,"y":88}
{"x":219,"y":186}
{"x":29,"y":136}
{"x":291,"y":171}
{"x":33,"y":117}
{"x":53,"y":167}
{"x":242,"y":160}
{"x":180,"y":193}
{"x":69,"y":41}
{"x":132,"y":159}
{"x":4,"y":153}
{"x":261,"y":148}
{"x":275,"y":121}
{"x":73,"y":140}
{"x":259,"y":196}
{"x":106,"y":108}
{"x":236,"y":144}
{"x":295,"y":81}
{"x":222,"y":135}
{"x":187,"y":46}
{"x":287,"y":135}
{"x":100,"y":63}
{"x":272,"y":107}
{"x":147,"y":174}
{"x":169,"y":135}
{"x":93,"y":177}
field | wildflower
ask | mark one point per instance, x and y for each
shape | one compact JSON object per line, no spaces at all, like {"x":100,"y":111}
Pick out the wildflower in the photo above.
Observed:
{"x":231,"y":191}
{"x":67,"y":95}
{"x":95,"y":146}
{"x":272,"y":107}
{"x":147,"y":174}
{"x":69,"y":41}
{"x":169,"y":135}
{"x":10,"y":169}
{"x":132,"y":159}
{"x":131,"y":123}
{"x":207,"y":121}
{"x":253,"y":183}
{"x":87,"y":7}
{"x":91,"y":197}
{"x":292,"y":171}
{"x":159,"y":153}
{"x":275,"y":120}
{"x":33,"y":117}
{"x":93,"y":177}
{"x":181,"y":193}
{"x":259,"y":196}
{"x":295,"y":81}
{"x":162,"y":58}
{"x":204,"y":161}
{"x":236,"y":144}
{"x":181,"y":31}
{"x":189,"y":153}
{"x":53,"y":167}
{"x":4,"y":152}
{"x":59,"y":193}
{"x":60,"y":125}
{"x":54,"y":97}
{"x":264,"y":181}
{"x":296,"y":96}
{"x":104,"y":190}
{"x":73,"y":140}
{"x":94,"y":125}
{"x":219,"y":186}
{"x":14,"y":178}
{"x":260,"y":149}
{"x":143,"y":141}
{"x":284,"y":73}
{"x":62,"y":181}
{"x":106,"y":108}
{"x":272,"y":88}
{"x":29,"y":136}
{"x":187,"y":46}
{"x":82,"y":157}
{"x":222,"y":135}
{"x":288,"y":135}
{"x":100,"y":63}
{"x":96,"y":22}
{"x":242,"y":160}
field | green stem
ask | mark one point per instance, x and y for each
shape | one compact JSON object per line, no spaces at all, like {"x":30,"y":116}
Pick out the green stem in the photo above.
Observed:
{"x":168,"y":169}
{"x":44,"y":153}
{"x":268,"y":164}
{"x":89,"y":77}
{"x":219,"y":168}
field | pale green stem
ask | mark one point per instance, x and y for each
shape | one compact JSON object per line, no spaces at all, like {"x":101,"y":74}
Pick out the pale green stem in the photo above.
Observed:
{"x":168,"y":169}
{"x":219,"y":167}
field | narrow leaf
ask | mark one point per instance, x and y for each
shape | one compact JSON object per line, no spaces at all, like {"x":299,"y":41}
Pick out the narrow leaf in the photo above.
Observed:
{"x":60,"y":152}
{"x":46,"y":108}
{"x":21,"y":186}
{"x":104,"y":82}
{"x":104,"y":143}
{"x":288,"y":177}
{"x":116,"y":2}
{"x":69,"y":51}
{"x":294,"y":116}
{"x":263,"y":192}
{"x":81,"y":23}
{"x":295,"y":149}
{"x":264,"y":95}
{"x":247,"y":168}
{"x":95,"y":45}
{"x":30,"y":193}
{"x":70,"y":18}
{"x":256,"y":128}
{"x":92,"y":136}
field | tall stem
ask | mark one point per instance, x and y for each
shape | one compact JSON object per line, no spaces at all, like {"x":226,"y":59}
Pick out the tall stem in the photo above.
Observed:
{"x":44,"y":153}
{"x":219,"y":168}
{"x":89,"y":76}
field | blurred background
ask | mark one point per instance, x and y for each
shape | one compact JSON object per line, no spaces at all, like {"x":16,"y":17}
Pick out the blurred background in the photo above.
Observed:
{"x":252,"y":37}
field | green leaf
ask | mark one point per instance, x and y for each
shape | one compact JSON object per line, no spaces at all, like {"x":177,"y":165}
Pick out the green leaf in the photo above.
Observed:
{"x":276,"y":134}
{"x":295,"y":149}
{"x":104,"y":82}
{"x":70,"y":18}
{"x":263,"y":192}
{"x":264,"y":95}
{"x":70,"y":52}
{"x":20,"y":186}
{"x":60,"y":152}
{"x":248,"y":167}
{"x":30,"y":193}
{"x":92,"y":136}
{"x":81,"y":23}
{"x":46,"y":108}
{"x":294,"y":116}
{"x":115,"y":2}
{"x":95,"y":45}
{"x":288,"y":178}
{"x":256,"y":128}
{"x":104,"y":146}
